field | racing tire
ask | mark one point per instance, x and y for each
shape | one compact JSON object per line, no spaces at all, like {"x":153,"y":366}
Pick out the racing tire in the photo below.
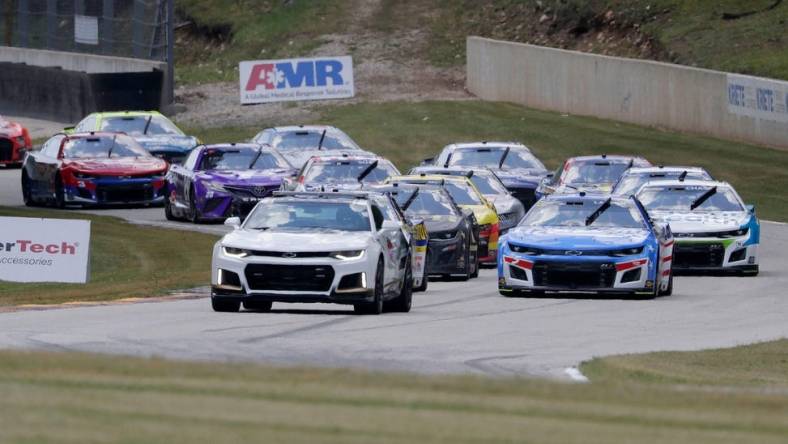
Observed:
{"x":425,"y":279}
{"x":225,"y":306}
{"x":168,"y":210}
{"x":261,"y":306}
{"x":60,"y":197}
{"x":468,"y":271}
{"x":194,"y":213}
{"x":376,"y":306}
{"x":27,"y":197}
{"x":403,"y":302}
{"x":476,"y":265}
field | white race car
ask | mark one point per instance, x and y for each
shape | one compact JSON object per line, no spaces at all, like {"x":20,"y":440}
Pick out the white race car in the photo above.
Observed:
{"x":714,"y":230}
{"x":344,"y":248}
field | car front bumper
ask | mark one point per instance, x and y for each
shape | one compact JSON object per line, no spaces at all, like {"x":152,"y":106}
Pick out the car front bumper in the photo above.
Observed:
{"x":715,"y":254}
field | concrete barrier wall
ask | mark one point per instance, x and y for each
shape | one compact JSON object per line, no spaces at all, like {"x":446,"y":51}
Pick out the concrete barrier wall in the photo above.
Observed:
{"x":72,"y":61}
{"x":635,"y":91}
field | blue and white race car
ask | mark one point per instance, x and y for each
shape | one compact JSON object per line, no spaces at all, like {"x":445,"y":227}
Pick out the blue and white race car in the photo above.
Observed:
{"x":586,"y":243}
{"x":634,"y":178}
{"x":715,"y":231}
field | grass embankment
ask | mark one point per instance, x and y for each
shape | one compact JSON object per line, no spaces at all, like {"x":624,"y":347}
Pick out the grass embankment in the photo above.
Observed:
{"x":409,"y":132}
{"x":125,"y":261}
{"x":225,"y":32}
{"x":53,"y":397}
{"x":691,"y":33}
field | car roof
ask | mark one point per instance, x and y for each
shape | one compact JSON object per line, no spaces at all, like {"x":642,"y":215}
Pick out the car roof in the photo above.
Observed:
{"x":609,"y":157}
{"x":291,"y":128}
{"x":130,"y":113}
{"x":586,"y":197}
{"x":452,"y":170}
{"x":488,"y":144}
{"x":664,"y":169}
{"x":86,"y":134}
{"x":686,"y":183}
{"x":368,"y":158}
{"x":435,"y":177}
{"x":237,"y":145}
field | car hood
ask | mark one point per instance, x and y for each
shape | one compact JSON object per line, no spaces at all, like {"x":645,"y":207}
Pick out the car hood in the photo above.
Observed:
{"x":520,"y":176}
{"x":504,"y":203}
{"x":698,"y":222}
{"x":578,"y":237}
{"x":154,"y":143}
{"x":245,"y":177}
{"x":298,"y":241}
{"x":435,"y":224}
{"x":122,"y":165}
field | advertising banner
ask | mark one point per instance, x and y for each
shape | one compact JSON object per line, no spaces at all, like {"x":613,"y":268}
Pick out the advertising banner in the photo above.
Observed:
{"x":758,"y":98}
{"x":322,"y":78}
{"x":44,"y":250}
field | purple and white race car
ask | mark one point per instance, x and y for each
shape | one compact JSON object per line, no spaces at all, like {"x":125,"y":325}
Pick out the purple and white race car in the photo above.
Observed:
{"x":219,"y":181}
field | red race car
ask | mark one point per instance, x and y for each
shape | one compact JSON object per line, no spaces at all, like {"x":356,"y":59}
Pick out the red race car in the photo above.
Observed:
{"x":14,"y":142}
{"x":91,"y":169}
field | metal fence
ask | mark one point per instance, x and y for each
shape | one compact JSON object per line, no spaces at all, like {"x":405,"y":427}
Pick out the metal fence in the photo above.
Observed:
{"x":123,"y":28}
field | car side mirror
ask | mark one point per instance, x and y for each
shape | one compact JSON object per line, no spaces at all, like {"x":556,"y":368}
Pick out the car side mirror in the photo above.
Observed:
{"x":750,"y":208}
{"x":234,"y":222}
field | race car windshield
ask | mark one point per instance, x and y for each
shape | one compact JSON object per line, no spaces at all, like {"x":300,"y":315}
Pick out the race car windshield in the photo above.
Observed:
{"x":488,"y":184}
{"x":239,"y":159}
{"x":139,"y":125}
{"x":491,"y":158}
{"x":427,"y":203}
{"x":348,"y":171}
{"x":631,"y":183}
{"x":310,"y":140}
{"x":290,"y":215}
{"x":681,"y":199}
{"x":462,"y":193}
{"x":602,"y":172}
{"x":103,"y":147}
{"x":577,"y":213}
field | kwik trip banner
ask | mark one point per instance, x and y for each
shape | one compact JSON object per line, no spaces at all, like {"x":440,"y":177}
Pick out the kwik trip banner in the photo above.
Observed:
{"x":264,"y":81}
{"x":758,"y":98}
{"x":44,"y":250}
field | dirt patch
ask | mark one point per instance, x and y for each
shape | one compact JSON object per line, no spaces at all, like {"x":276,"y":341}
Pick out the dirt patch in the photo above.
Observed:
{"x":388,"y":67}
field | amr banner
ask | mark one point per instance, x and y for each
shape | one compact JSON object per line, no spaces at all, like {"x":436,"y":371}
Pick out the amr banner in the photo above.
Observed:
{"x":264,"y":81}
{"x":44,"y":250}
{"x":758,"y":97}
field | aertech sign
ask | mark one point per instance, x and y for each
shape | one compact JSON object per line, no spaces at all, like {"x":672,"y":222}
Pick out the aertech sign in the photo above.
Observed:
{"x":44,"y":250}
{"x":321,"y":78}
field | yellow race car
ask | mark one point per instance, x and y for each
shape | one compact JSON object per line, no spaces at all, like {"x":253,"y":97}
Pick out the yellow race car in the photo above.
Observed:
{"x":466,"y":195}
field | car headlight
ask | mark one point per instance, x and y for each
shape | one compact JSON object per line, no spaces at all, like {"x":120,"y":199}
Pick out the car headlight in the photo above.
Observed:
{"x":235,"y":252}
{"x":627,"y":252}
{"x":531,"y":251}
{"x":217,"y":187}
{"x":734,"y":233}
{"x":81,"y":175}
{"x":347,"y":254}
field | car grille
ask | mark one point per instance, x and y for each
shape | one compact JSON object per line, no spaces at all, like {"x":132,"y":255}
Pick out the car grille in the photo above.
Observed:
{"x":574,"y":275}
{"x":290,"y":255}
{"x":6,"y":150}
{"x":524,"y":195}
{"x":251,"y":191}
{"x":120,"y":194}
{"x":262,"y":277}
{"x":698,"y":255}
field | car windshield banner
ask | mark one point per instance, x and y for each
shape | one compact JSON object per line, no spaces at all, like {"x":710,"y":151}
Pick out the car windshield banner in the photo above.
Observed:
{"x":44,"y":250}
{"x":264,"y":81}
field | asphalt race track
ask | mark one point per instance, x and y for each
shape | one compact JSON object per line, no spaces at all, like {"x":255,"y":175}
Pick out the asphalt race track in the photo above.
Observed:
{"x":455,"y":327}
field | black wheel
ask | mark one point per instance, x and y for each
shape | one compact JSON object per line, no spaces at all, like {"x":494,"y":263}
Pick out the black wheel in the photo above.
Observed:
{"x":669,"y":290}
{"x":27,"y":196}
{"x":258,"y":305}
{"x":225,"y":306}
{"x":425,"y":278}
{"x":476,"y":264}
{"x":168,"y":209}
{"x":60,"y":197}
{"x":468,"y":270}
{"x":403,"y":302}
{"x":375,"y":307}
{"x":194,"y":212}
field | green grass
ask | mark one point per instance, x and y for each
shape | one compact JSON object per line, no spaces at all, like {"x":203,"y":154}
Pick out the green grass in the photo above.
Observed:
{"x":408,"y":132}
{"x":254,"y":29}
{"x":689,"y":32}
{"x":125,"y":261}
{"x":67,"y":397}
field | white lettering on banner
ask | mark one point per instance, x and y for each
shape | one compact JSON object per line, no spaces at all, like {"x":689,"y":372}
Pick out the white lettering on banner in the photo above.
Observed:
{"x":758,"y":98}
{"x":44,"y":250}
{"x":321,"y":78}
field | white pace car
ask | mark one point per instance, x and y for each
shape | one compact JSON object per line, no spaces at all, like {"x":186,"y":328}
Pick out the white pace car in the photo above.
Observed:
{"x":714,"y":230}
{"x":344,"y":248}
